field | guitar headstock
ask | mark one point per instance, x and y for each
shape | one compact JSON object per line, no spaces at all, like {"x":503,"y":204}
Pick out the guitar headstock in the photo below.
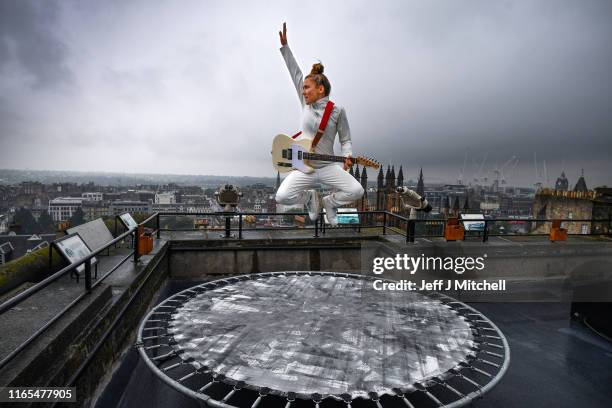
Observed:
{"x":367,"y":162}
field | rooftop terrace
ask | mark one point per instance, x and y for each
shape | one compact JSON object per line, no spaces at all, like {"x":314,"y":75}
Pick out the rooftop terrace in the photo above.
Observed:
{"x":64,"y":332}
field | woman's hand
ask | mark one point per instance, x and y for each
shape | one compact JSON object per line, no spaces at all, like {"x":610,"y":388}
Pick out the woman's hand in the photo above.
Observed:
{"x":348,"y":162}
{"x":283,"y":35}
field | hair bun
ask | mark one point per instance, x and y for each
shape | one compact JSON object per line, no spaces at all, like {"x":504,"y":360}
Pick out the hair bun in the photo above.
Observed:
{"x":316,"y":69}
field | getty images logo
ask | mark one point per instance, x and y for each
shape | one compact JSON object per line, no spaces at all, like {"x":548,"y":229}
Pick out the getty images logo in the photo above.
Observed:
{"x":427,"y":263}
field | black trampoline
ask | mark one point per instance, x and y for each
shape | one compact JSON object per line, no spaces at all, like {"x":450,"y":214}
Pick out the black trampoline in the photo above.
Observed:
{"x":320,"y":339}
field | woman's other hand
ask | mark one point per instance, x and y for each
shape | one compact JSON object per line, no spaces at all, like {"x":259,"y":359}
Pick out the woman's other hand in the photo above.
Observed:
{"x":348,"y":162}
{"x":283,"y":35}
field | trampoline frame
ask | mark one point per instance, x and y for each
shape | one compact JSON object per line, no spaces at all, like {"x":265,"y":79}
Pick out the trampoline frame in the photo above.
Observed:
{"x":485,"y":333}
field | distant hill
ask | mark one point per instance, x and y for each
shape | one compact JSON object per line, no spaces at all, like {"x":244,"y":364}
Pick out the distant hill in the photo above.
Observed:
{"x":11,"y":176}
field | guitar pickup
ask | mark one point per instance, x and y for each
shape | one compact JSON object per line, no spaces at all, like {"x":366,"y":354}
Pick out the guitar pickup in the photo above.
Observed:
{"x":299,"y":155}
{"x":281,"y":164}
{"x":289,"y":154}
{"x":284,"y":153}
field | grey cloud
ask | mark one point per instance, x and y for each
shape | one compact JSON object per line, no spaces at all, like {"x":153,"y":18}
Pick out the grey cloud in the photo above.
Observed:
{"x":421,"y":81}
{"x":26,"y":35}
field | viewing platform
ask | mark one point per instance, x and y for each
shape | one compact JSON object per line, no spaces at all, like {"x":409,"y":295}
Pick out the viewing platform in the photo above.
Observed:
{"x":68,"y":332}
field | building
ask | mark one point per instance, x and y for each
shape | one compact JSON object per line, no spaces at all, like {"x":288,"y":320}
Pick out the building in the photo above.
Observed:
{"x":579,"y":204}
{"x":558,"y":204}
{"x":139,"y":195}
{"x":15,"y":246}
{"x":165,"y":198}
{"x":4,"y":223}
{"x":562,"y":183}
{"x":62,"y":208}
{"x":602,"y":210}
{"x":92,"y":196}
{"x":32,"y":188}
{"x":95,"y":209}
{"x":133,"y":207}
{"x":179,"y":207}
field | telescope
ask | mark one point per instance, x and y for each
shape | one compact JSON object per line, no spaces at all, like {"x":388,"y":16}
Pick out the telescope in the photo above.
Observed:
{"x":228,"y":197}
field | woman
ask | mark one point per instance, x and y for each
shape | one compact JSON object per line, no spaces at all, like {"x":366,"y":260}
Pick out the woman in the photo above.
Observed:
{"x":298,"y":188}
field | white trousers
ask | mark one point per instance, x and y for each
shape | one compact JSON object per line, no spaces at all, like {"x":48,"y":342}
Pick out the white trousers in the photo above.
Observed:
{"x":294,"y":188}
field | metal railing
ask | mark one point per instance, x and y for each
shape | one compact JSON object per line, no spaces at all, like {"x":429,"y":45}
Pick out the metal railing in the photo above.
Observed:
{"x":485,"y":233}
{"x":374,"y":219}
{"x":318,"y":227}
{"x":16,"y":300}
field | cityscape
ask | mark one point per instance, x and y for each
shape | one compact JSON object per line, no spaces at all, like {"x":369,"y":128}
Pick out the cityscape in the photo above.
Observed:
{"x":33,"y":213}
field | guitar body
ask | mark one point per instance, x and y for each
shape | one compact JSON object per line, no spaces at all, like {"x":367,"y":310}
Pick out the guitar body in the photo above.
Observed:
{"x":290,"y":154}
{"x":287,"y":154}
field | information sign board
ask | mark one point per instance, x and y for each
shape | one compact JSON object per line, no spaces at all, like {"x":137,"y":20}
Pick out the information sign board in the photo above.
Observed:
{"x":73,"y":249}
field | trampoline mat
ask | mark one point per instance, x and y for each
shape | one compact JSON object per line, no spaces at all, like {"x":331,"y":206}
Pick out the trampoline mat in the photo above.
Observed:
{"x":326,"y":334}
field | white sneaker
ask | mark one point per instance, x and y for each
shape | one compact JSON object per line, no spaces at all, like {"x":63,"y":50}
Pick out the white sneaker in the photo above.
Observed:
{"x":331,"y":211}
{"x":313,"y":204}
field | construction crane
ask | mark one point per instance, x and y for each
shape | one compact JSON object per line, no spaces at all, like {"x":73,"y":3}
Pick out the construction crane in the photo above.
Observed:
{"x":538,"y":182}
{"x":460,"y":179}
{"x":499,"y":172}
{"x":477,"y":175}
{"x":511,"y":163}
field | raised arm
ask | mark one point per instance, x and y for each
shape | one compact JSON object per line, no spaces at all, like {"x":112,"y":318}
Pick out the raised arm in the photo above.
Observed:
{"x":292,"y":65}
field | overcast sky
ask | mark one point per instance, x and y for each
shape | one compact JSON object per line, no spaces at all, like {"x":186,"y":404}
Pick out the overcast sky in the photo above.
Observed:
{"x":199,"y":87}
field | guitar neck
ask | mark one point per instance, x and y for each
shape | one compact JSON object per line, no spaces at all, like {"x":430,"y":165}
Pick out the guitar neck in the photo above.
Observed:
{"x":324,"y":157}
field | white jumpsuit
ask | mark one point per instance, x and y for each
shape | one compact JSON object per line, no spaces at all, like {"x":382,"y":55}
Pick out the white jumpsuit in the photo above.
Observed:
{"x":294,"y":188}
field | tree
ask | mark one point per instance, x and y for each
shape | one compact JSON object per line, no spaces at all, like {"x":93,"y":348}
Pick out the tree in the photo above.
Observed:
{"x":78,"y":218}
{"x":45,"y":223}
{"x":26,"y":220}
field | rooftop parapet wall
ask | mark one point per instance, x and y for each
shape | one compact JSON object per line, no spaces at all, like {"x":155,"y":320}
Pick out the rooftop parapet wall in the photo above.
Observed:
{"x":531,"y":267}
{"x":587,"y":195}
{"x":198,"y":259}
{"x":580,"y":205}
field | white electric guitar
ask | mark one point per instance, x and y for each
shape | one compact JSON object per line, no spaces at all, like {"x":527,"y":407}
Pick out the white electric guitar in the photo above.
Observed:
{"x":290,"y":154}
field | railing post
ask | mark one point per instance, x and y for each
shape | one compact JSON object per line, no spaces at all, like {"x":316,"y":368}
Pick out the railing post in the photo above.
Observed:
{"x":158,"y":231}
{"x":88,"y":276}
{"x":485,"y":232}
{"x":410,"y":228}
{"x":228,"y":226}
{"x":136,"y":243}
{"x":50,"y":258}
{"x":316,"y":223}
{"x":115,"y":236}
{"x":384,"y":223}
{"x":240,"y":226}
{"x":322,"y":222}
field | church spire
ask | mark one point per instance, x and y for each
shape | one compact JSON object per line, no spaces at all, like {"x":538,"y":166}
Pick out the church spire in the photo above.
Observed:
{"x":420,"y":184}
{"x":400,"y":177}
{"x":364,"y":179}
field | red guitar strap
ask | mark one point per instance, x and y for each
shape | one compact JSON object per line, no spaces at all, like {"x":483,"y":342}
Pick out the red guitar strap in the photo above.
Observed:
{"x":328,"y":110}
{"x":326,"y":114}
